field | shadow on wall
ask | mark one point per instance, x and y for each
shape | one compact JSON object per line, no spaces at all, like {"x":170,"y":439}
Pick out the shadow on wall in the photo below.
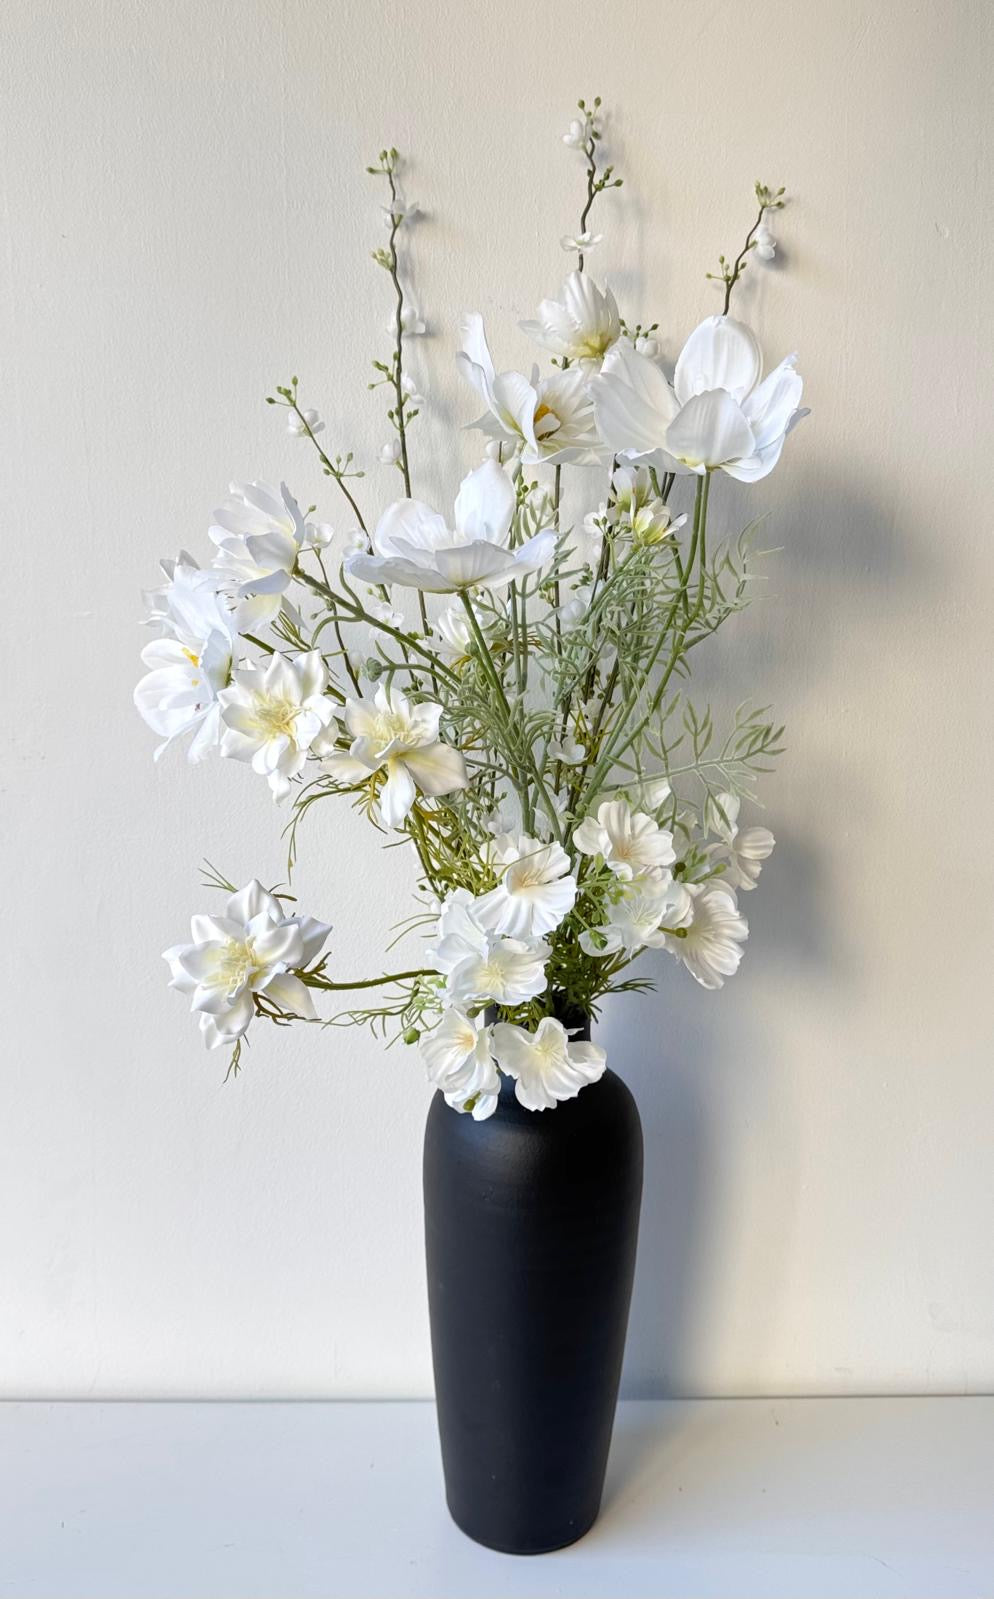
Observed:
{"x":703,"y":1070}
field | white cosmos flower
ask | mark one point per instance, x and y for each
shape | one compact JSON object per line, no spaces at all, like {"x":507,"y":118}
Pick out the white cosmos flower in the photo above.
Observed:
{"x":711,"y":946}
{"x":273,"y":714}
{"x":744,"y":849}
{"x":535,"y":890}
{"x":191,"y":663}
{"x":253,"y":948}
{"x":547,"y":1065}
{"x":581,"y":325}
{"x":481,"y":966}
{"x":716,"y":414}
{"x":307,"y":425}
{"x":392,"y":735}
{"x":259,"y":532}
{"x":413,"y":546}
{"x":458,"y":1058}
{"x":629,"y":841}
{"x":638,"y":918}
{"x":543,"y":420}
{"x":580,"y":243}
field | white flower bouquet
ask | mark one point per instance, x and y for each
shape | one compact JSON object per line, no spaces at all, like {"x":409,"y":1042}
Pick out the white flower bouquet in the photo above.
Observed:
{"x":532,"y":730}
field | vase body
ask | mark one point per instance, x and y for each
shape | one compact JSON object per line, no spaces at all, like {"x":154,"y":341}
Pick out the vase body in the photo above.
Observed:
{"x":531,"y":1223}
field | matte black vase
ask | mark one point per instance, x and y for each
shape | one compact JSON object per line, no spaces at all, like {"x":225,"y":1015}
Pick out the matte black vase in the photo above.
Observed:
{"x":531,"y":1224}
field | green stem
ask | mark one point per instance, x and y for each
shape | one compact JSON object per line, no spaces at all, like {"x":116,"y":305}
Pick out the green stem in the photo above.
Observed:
{"x":313,"y":981}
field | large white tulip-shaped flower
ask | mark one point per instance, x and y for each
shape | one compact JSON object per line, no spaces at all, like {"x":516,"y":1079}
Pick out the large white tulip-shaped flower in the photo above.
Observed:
{"x":630,"y":842}
{"x":581,"y":325}
{"x":743,"y":850}
{"x":392,"y":735}
{"x":481,"y":966}
{"x":414,"y":547}
{"x":253,"y":948}
{"x":717,"y":414}
{"x":711,"y":945}
{"x":273,"y":714}
{"x":548,"y":1066}
{"x":191,"y":663}
{"x":460,"y":1064}
{"x":535,"y":889}
{"x":547,"y":419}
{"x":259,"y":532}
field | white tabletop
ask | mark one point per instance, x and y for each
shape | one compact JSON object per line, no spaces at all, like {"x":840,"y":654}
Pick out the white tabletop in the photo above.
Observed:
{"x":715,"y":1499}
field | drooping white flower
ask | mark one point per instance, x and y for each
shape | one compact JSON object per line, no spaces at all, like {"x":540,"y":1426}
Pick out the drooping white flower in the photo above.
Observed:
{"x":711,"y":946}
{"x":629,"y":841}
{"x":354,"y":542}
{"x":574,"y":609}
{"x":548,"y":419}
{"x":392,"y":735}
{"x":645,"y":344}
{"x":717,"y":414}
{"x":743,"y":850}
{"x":459,"y":1062}
{"x":390,"y":452}
{"x":191,"y":662}
{"x":273,"y":714}
{"x":535,"y":890}
{"x":640,"y":915}
{"x":582,"y":324}
{"x":254,"y":948}
{"x":384,"y":612}
{"x":568,"y":751}
{"x":578,"y":133}
{"x":580,"y":243}
{"x":451,"y":628}
{"x":258,"y":532}
{"x":547,"y":1065}
{"x":481,"y":966}
{"x":308,"y":424}
{"x":765,"y":244}
{"x":321,"y":534}
{"x":412,"y":325}
{"x":399,"y":211}
{"x":414,"y":547}
{"x":413,"y":393}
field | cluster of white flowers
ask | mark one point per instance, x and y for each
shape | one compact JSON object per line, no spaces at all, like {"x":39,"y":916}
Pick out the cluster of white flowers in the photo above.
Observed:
{"x":518,"y":735}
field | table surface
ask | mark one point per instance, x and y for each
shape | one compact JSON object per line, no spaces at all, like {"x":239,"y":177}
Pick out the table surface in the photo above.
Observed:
{"x":715,"y":1499}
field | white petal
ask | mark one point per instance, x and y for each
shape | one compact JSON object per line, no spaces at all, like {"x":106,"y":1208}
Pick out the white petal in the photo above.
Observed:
{"x":709,"y":431}
{"x":485,"y":504}
{"x":397,"y":795}
{"x":437,"y":768}
{"x":290,"y":994}
{"x":720,"y":354}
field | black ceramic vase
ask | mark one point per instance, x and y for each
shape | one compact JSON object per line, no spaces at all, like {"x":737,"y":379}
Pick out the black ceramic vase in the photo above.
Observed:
{"x":531,"y":1223}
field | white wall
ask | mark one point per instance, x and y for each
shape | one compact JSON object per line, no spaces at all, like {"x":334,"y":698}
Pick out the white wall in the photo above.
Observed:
{"x":185,"y":222}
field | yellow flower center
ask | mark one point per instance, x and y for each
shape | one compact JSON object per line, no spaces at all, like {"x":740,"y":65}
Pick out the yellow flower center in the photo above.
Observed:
{"x":275,"y":718}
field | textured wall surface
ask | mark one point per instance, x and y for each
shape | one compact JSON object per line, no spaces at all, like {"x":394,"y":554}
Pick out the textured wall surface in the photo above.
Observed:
{"x":185,"y":222}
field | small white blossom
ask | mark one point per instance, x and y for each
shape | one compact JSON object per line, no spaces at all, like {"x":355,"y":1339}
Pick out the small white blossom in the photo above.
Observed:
{"x":578,"y":133}
{"x":629,"y":842}
{"x":765,"y":244}
{"x":711,"y":946}
{"x":460,"y":1064}
{"x":390,"y":452}
{"x":391,"y":735}
{"x":646,"y":345}
{"x":308,"y":423}
{"x":451,"y":628}
{"x":573,"y":610}
{"x":547,"y":1065}
{"x":253,"y":948}
{"x":384,"y":612}
{"x":355,"y":542}
{"x":640,"y":915}
{"x":412,"y":326}
{"x":568,"y":751}
{"x":535,"y":890}
{"x":398,"y":211}
{"x":580,"y":243}
{"x":322,"y":534}
{"x":481,"y":966}
{"x":274,"y":714}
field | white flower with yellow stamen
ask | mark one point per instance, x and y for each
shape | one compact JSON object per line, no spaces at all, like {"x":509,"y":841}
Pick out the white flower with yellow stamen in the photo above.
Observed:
{"x":480,"y":966}
{"x":259,"y":532}
{"x":548,"y":1066}
{"x":392,"y":735}
{"x":583,"y":323}
{"x":711,"y":945}
{"x":535,"y":891}
{"x":253,"y":948}
{"x":460,"y":1064}
{"x":274,"y":714}
{"x":629,"y":842}
{"x":547,"y":419}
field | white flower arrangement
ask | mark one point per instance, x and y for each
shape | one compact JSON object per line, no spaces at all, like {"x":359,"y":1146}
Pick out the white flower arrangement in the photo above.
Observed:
{"x":533,"y":735}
